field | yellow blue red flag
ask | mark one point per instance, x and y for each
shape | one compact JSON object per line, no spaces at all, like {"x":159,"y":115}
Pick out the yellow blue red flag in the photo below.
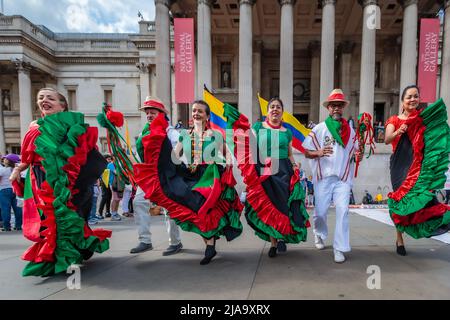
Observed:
{"x":299,"y":131}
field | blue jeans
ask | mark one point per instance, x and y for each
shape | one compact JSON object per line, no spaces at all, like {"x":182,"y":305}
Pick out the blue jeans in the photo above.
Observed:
{"x":7,"y":201}
{"x":93,"y":208}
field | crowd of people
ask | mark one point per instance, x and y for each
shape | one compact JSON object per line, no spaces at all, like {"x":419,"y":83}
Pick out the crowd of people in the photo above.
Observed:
{"x":186,"y":175}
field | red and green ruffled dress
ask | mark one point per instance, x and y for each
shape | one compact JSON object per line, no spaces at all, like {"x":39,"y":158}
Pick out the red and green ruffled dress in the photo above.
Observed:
{"x":64,"y":163}
{"x":275,"y":202}
{"x":418,"y":164}
{"x":203,"y":200}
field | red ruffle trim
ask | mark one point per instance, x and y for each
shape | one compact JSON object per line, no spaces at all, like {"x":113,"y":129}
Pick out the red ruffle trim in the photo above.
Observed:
{"x":147,"y":178}
{"x":86,"y":142}
{"x":28,"y":148}
{"x":256,"y":196}
{"x":422,"y":215}
{"x":416,"y":131}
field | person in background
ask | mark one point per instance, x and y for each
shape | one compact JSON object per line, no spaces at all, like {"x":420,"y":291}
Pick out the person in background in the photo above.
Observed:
{"x":8,"y":198}
{"x":106,"y":196}
{"x":117,"y":188}
{"x":310,"y":189}
{"x":126,"y":201}
{"x":179,"y":125}
{"x":447,"y":187}
{"x":95,"y":193}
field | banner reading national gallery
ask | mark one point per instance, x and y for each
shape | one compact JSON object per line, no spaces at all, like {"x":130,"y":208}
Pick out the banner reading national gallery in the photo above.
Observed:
{"x":428,"y":59}
{"x":184,"y":60}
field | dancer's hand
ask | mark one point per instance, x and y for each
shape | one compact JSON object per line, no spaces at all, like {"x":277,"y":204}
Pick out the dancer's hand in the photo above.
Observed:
{"x":359,"y":156}
{"x":15,"y":175}
{"x":401,"y":130}
{"x":326,"y":152}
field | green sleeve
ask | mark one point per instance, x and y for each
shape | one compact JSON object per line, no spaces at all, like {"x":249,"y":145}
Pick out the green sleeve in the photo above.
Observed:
{"x":256,"y":126}
{"x":289,"y":135}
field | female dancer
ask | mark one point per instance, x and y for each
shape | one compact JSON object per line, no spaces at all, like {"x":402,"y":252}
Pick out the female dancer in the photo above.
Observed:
{"x":421,"y":143}
{"x":275,"y":206}
{"x":59,"y":150}
{"x":199,"y":196}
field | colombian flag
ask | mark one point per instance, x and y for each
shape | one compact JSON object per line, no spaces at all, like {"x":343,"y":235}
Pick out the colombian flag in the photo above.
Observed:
{"x":299,"y":131}
{"x":218,"y":121}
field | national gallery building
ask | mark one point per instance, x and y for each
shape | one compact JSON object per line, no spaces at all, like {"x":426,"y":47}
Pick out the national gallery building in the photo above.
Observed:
{"x":298,"y":50}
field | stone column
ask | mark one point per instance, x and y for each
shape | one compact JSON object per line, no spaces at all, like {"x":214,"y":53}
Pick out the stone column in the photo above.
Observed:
{"x":204,"y":60}
{"x":315,"y":104}
{"x":409,"y":45}
{"x":144,"y":85}
{"x":163,"y":85}
{"x":346,"y":49}
{"x":327,"y":53}
{"x":25,"y":102}
{"x":256,"y":78}
{"x":287,"y":54}
{"x":445,"y":66}
{"x":367,"y":79}
{"x":245,"y":58}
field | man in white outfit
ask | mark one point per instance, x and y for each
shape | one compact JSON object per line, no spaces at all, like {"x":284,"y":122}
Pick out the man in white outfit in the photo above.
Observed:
{"x":141,"y":206}
{"x":331,"y":145}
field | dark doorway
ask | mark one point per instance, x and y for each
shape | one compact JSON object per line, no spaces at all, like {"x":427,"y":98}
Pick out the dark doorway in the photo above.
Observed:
{"x":302,"y":117}
{"x":378,"y":113}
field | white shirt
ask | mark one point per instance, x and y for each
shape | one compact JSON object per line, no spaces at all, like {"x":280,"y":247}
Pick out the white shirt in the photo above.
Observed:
{"x":339,"y":163}
{"x":173,"y":135}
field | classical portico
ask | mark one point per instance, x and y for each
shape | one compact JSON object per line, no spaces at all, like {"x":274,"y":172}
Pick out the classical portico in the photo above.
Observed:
{"x":301,"y":50}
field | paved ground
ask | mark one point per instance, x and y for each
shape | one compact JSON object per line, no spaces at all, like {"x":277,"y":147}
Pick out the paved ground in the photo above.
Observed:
{"x":241,"y":270}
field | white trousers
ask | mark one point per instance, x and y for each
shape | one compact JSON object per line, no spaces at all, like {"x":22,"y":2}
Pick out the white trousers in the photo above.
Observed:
{"x":142,"y":218}
{"x":326,"y":190}
{"x":126,"y":199}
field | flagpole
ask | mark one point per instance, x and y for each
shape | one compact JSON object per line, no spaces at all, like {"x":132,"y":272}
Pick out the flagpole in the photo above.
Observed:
{"x":3,"y":12}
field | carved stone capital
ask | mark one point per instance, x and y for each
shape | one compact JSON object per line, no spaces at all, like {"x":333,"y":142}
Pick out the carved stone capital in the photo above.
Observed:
{"x":250,"y":2}
{"x":314,"y":48}
{"x":209,"y":3}
{"x":143,"y":67}
{"x":365,"y":3}
{"x":22,"y":66}
{"x":405,"y":3}
{"x":283,"y":2}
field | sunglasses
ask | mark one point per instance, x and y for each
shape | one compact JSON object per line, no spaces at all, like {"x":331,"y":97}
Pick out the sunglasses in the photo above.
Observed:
{"x":336,"y":106}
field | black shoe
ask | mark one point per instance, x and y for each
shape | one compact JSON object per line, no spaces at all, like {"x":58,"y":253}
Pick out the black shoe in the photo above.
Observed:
{"x":17,"y":229}
{"x":281,"y":246}
{"x":173,"y":249}
{"x":401,"y":249}
{"x":210,"y":253}
{"x":6,"y":229}
{"x":141,"y":247}
{"x":272,"y":252}
{"x":108,"y":215}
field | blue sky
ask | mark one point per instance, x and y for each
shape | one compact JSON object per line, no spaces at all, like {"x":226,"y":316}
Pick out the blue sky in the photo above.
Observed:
{"x":83,"y":15}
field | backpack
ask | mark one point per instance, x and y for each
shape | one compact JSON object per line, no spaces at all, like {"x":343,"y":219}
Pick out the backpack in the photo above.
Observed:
{"x":118,"y":184}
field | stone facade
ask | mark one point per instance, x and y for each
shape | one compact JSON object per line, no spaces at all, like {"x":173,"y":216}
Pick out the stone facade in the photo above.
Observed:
{"x":241,"y":55}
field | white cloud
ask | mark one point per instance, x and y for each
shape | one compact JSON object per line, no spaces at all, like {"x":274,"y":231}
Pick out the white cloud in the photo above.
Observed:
{"x":83,"y":15}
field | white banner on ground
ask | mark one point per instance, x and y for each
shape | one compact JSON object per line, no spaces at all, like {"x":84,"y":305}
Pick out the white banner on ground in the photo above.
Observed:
{"x":383,"y":217}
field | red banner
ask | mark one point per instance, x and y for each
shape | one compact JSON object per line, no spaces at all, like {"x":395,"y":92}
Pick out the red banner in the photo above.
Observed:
{"x":184,"y":60}
{"x":428,"y":59}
